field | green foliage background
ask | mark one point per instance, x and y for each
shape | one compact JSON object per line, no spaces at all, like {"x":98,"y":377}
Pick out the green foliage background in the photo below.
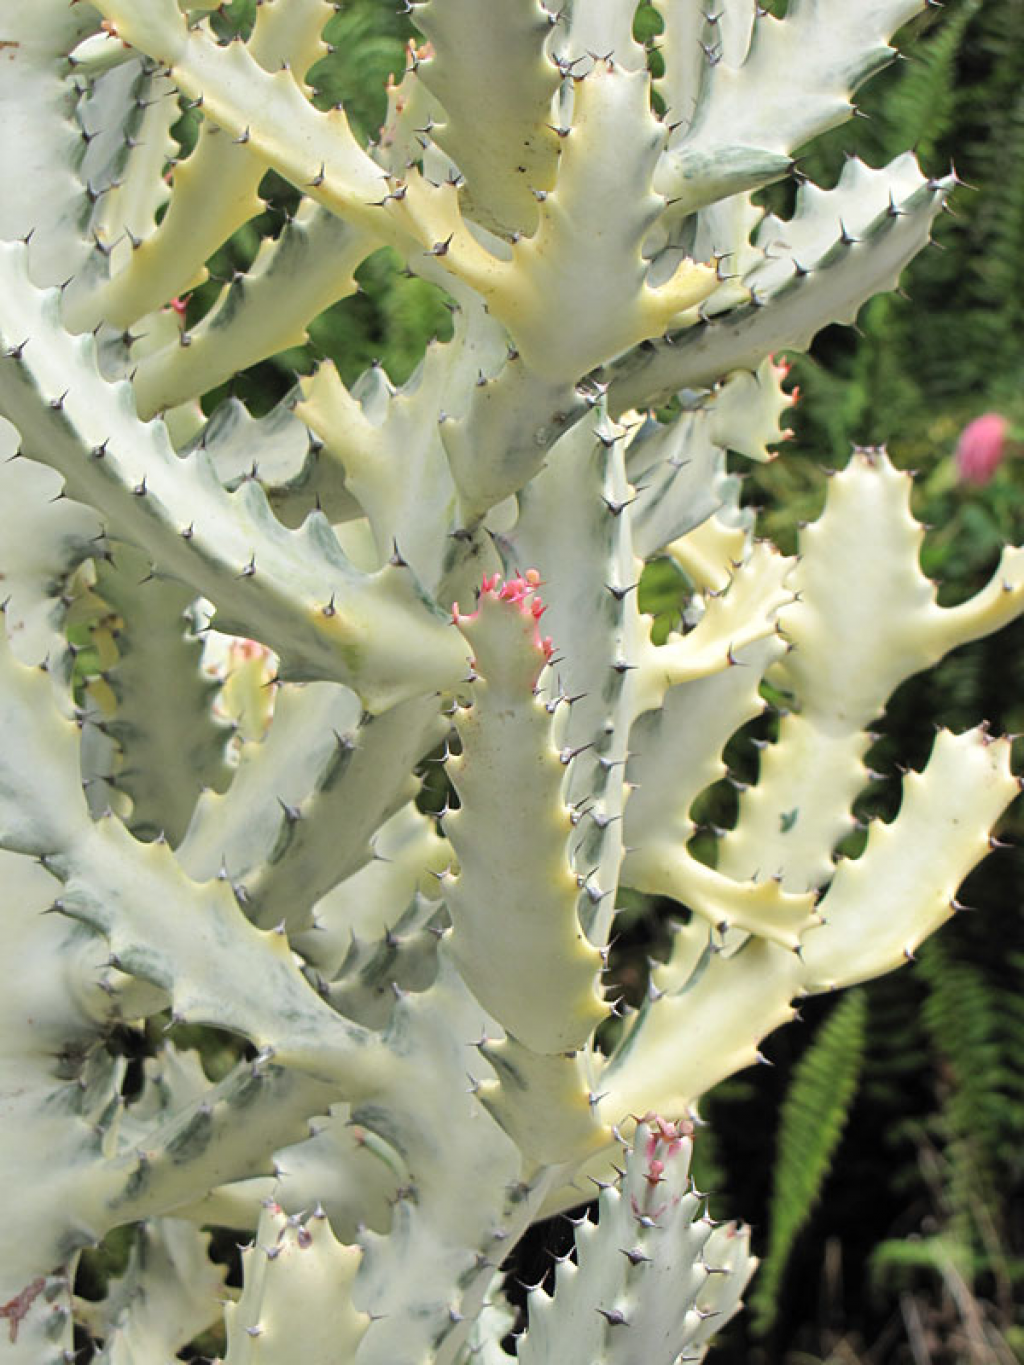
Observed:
{"x":881,"y":1156}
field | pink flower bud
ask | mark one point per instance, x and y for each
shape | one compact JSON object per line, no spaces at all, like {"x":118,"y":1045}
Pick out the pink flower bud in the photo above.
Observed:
{"x":981,"y":448}
{"x":521,"y":592}
{"x":655,"y":1172}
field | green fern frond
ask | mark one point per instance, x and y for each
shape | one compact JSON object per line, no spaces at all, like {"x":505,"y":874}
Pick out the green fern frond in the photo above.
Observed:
{"x":921,"y":109}
{"x":959,"y":1016}
{"x":813,"y":1117}
{"x":1012,"y":1019}
{"x":977,"y":1042}
{"x":996,"y":268}
{"x":896,"y":1261}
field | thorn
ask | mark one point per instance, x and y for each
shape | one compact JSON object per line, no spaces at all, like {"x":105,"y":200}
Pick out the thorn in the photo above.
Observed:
{"x":607,"y":764}
{"x":613,"y":1316}
{"x":620,"y":593}
{"x":617,"y":508}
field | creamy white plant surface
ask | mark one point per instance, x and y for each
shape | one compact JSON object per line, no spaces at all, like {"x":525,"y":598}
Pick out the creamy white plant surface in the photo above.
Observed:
{"x":428,"y":1057}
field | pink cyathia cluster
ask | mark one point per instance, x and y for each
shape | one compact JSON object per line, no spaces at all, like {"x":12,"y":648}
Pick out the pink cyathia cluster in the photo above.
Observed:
{"x":668,"y":1134}
{"x":521,"y":591}
{"x":981,"y":448}
{"x":664,"y":1140}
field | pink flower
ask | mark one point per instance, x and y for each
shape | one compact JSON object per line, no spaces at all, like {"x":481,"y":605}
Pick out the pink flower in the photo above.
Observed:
{"x":981,"y":448}
{"x":521,"y":591}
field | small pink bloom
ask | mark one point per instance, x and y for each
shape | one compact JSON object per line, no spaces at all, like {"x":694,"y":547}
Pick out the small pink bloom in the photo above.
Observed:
{"x":981,"y":448}
{"x":655,"y":1172}
{"x":521,"y":592}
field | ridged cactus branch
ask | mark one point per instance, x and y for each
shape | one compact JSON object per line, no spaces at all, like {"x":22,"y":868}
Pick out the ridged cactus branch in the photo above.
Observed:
{"x":171,"y":745}
{"x":746,"y":611}
{"x":575,"y":523}
{"x":293,"y":1266}
{"x":507,"y":745}
{"x":43,"y":540}
{"x":71,"y":419}
{"x":855,"y":638}
{"x":265,"y":311}
{"x":751,"y":113}
{"x":287,"y":831}
{"x":728,"y":1003}
{"x":247,"y":101}
{"x":169,"y":258}
{"x":799,"y":299}
{"x":912,"y":865}
{"x":541,"y":292}
{"x":298,"y":474}
{"x":168,"y":1294}
{"x":653,"y":1278}
{"x":161,"y":927}
{"x":496,"y":100}
{"x":44,"y":141}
